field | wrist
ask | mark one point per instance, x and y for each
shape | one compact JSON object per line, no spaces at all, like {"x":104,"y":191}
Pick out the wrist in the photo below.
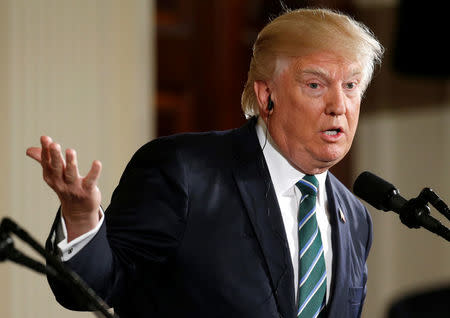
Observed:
{"x":79,"y":224}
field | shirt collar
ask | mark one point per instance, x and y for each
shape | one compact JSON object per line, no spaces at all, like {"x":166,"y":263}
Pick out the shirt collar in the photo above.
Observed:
{"x":284,"y":175}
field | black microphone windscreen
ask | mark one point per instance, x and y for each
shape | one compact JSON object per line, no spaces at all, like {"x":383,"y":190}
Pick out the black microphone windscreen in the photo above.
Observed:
{"x":373,"y":189}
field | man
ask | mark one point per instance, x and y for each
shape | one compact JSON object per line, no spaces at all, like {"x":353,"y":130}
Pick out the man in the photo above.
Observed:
{"x":240,"y":223}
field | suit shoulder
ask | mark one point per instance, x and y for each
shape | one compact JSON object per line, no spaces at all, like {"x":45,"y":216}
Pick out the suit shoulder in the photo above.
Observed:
{"x":344,"y":193}
{"x":352,"y":204}
{"x":357,"y":217}
{"x":211,"y":145}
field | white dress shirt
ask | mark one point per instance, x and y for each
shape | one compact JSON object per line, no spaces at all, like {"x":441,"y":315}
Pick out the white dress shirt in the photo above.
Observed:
{"x":69,"y":250}
{"x":284,"y":177}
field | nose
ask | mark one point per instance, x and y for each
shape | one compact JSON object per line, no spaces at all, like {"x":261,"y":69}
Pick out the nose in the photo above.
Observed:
{"x":336,"y":102}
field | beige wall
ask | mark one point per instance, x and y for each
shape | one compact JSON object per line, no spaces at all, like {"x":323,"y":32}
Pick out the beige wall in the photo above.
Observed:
{"x":5,"y":270}
{"x":412,"y":151}
{"x":80,"y":71}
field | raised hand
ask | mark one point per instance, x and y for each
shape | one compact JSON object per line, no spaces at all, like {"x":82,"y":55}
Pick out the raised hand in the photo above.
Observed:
{"x":80,"y":196}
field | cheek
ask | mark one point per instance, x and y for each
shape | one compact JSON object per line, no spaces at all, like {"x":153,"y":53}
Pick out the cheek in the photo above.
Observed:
{"x":352,"y":118}
{"x":353,"y":122}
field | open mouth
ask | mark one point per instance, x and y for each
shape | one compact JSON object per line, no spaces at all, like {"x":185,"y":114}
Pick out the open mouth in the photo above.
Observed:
{"x":332,"y":132}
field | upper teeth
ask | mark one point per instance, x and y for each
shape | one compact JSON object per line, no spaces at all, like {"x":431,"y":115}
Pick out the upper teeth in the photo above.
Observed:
{"x":331,"y":132}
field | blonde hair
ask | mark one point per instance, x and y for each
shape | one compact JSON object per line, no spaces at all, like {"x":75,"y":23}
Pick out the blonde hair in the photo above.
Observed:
{"x":299,"y":32}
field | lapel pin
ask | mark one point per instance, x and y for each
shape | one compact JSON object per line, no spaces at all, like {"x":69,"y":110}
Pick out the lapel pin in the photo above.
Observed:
{"x":341,"y":214}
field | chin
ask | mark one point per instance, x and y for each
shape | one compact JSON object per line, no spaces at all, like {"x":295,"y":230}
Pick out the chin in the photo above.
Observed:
{"x":326,"y":162}
{"x":333,"y":154}
{"x":313,"y":162}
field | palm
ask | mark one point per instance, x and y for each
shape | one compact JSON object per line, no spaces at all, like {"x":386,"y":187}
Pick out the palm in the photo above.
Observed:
{"x":80,"y":196}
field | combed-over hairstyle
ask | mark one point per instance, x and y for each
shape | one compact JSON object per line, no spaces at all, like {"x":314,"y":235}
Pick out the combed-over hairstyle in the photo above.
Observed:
{"x":300,"y":32}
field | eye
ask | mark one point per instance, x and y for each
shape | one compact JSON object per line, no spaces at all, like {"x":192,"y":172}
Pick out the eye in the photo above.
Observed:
{"x":313,"y":85}
{"x":350,"y":85}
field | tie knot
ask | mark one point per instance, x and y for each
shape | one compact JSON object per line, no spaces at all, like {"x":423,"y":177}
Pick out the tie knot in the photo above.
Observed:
{"x":308,"y":185}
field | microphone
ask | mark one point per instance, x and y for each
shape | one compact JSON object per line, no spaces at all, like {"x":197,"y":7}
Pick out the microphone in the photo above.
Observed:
{"x":384,"y":196}
{"x":379,"y":193}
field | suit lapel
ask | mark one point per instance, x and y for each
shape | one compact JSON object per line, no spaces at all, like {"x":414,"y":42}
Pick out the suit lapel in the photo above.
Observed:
{"x":341,"y":258}
{"x":256,"y":189}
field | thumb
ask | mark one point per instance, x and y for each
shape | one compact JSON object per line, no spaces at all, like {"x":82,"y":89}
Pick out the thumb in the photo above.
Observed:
{"x":35,"y":153}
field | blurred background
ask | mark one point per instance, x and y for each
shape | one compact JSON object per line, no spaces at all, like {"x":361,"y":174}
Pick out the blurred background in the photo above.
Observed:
{"x":105,"y":76}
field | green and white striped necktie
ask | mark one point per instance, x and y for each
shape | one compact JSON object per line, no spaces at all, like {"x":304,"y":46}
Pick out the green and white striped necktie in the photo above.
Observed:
{"x":312,"y":272}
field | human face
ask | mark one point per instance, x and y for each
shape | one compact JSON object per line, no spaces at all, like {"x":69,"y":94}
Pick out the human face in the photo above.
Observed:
{"x":317,"y":99}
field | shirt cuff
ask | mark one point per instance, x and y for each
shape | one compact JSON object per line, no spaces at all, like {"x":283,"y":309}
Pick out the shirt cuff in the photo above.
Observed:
{"x":69,"y":250}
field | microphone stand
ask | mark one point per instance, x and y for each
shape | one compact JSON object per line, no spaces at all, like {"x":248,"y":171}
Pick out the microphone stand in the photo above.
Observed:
{"x":416,"y":213}
{"x":54,"y":266}
{"x":429,"y":195}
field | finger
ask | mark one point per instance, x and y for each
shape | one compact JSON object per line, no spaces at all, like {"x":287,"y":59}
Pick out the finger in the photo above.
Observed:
{"x":71,"y":171}
{"x":45,"y":156}
{"x":35,"y":153}
{"x":56,"y":159}
{"x":90,"y":181}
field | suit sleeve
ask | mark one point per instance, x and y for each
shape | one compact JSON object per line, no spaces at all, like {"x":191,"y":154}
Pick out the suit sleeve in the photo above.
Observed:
{"x":143,"y":227}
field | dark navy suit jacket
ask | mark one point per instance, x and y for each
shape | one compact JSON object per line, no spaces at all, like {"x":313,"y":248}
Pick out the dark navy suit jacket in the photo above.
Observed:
{"x":194,"y":230}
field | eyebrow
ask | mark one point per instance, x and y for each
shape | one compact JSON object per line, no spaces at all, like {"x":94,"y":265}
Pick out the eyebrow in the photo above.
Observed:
{"x":316,"y":71}
{"x":322,"y":73}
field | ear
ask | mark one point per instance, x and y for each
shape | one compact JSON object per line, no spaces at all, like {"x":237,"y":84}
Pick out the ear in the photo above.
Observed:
{"x":262,"y":92}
